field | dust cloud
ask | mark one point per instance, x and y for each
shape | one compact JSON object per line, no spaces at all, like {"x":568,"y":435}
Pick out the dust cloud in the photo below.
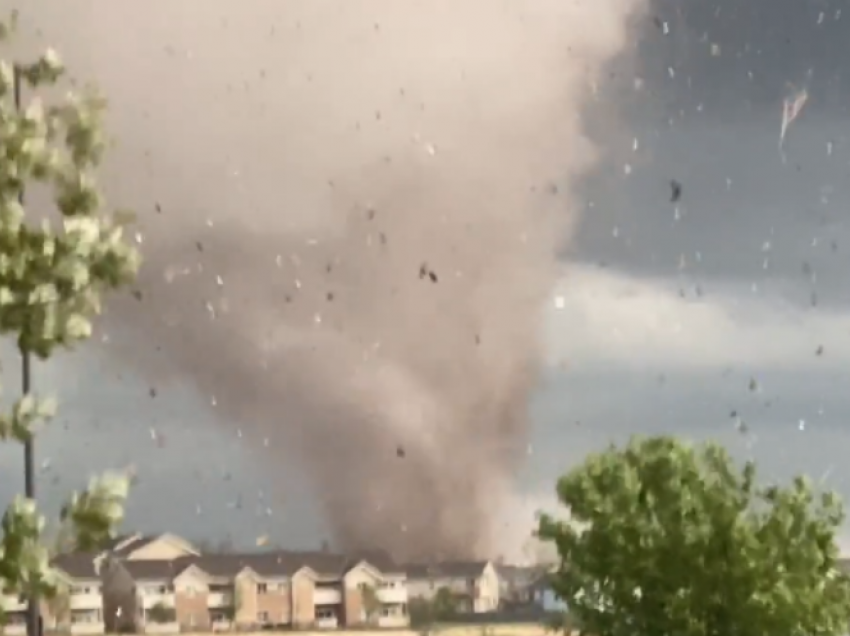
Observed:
{"x":350,"y":212}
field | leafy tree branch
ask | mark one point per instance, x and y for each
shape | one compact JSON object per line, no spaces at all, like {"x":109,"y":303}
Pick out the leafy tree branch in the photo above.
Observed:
{"x":54,"y":270}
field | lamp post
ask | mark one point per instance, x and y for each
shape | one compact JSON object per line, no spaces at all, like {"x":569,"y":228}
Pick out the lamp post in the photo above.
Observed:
{"x":33,"y":612}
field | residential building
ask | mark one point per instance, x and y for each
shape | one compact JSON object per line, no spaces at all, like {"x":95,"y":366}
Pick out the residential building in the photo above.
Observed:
{"x":474,"y":585}
{"x":15,"y":614}
{"x":545,"y":596}
{"x":138,"y":572}
{"x":516,"y":584}
{"x":78,"y":608}
{"x":140,"y":547}
{"x":164,"y":585}
{"x":301,"y":589}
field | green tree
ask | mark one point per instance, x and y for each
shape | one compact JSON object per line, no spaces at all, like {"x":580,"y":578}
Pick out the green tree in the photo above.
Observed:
{"x":421,"y":613}
{"x":371,"y":602}
{"x":231,"y":609}
{"x":161,"y":613}
{"x":59,"y":605}
{"x":426,"y":614}
{"x":668,"y":538}
{"x":53,"y":271}
{"x":445,"y":604}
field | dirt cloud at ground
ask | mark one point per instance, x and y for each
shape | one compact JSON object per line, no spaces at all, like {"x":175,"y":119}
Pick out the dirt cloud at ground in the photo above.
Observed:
{"x":350,"y":213}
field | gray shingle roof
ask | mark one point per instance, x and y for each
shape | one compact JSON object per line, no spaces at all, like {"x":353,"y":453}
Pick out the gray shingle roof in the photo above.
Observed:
{"x":154,"y":570}
{"x":378,"y":559}
{"x":135,"y":544}
{"x":78,"y":565}
{"x":284,"y":563}
{"x":278,"y":563}
{"x":446,"y":570}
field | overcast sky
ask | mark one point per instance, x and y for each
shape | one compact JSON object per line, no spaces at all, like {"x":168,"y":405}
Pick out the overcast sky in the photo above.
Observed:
{"x":720,"y":316}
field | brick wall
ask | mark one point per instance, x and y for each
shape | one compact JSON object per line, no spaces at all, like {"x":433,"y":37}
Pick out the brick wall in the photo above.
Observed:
{"x":192,"y":610}
{"x":304,"y":609}
{"x":245,"y":589}
{"x":352,"y":607}
{"x":275,"y":603}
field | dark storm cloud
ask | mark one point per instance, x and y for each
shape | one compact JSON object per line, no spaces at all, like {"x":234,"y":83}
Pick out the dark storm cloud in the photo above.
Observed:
{"x":581,"y":415}
{"x":743,"y":213}
{"x":709,"y":118}
{"x":760,"y":46}
{"x":717,"y":118}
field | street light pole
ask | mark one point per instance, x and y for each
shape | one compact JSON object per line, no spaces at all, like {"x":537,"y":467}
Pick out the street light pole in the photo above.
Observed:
{"x":33,"y":612}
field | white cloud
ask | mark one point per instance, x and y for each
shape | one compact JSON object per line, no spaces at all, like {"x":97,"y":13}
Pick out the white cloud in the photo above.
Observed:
{"x":599,"y":316}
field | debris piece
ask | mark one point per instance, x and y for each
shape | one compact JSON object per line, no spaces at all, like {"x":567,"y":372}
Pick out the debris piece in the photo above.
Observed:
{"x":675,"y":191}
{"x":425,"y":271}
{"x":791,"y":108}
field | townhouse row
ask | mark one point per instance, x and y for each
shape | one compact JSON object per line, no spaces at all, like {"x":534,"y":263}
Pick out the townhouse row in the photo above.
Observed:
{"x":163,"y":584}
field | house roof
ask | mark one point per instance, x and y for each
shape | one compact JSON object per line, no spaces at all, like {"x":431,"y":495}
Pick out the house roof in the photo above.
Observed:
{"x":378,"y":559}
{"x":520,"y":574}
{"x":270,"y":564}
{"x":446,"y":569}
{"x":116,"y":541}
{"x":284,"y":563}
{"x":276,"y":563}
{"x":124,"y":545}
{"x":77,"y":565}
{"x":154,"y":569}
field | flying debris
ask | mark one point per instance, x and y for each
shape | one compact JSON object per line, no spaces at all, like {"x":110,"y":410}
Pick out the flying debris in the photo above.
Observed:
{"x":427,"y":272}
{"x":791,"y":108}
{"x":675,"y":191}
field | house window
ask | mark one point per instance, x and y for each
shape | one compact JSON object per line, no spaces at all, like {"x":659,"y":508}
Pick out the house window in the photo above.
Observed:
{"x":262,"y":588}
{"x":263,"y":617}
{"x":325,"y":613}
